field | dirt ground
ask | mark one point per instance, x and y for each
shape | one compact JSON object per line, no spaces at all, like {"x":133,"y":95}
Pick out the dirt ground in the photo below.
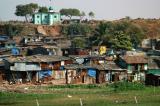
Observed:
{"x":29,"y":87}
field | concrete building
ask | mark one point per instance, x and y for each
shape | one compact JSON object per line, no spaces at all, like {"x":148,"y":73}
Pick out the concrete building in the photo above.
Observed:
{"x":49,"y":18}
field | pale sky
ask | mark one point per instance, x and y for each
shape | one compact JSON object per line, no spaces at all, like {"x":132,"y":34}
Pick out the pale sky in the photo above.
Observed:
{"x":103,"y":9}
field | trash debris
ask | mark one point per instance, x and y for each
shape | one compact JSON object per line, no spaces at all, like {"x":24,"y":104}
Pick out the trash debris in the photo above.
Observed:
{"x":69,"y":96}
{"x":26,"y":88}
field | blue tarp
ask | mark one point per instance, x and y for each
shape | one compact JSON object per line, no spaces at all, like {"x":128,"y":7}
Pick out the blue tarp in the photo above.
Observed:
{"x":3,"y":38}
{"x":92,"y":72}
{"x":46,"y":73}
{"x":15,"y":51}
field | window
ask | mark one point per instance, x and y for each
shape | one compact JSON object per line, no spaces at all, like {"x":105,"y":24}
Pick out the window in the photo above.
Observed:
{"x":29,"y":39}
{"x":136,"y":67}
{"x":55,"y":16}
{"x":37,"y":16}
{"x":45,"y":16}
{"x":13,"y":44}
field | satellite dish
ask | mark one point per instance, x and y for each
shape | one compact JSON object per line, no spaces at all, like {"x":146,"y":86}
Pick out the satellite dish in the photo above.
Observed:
{"x":79,"y":60}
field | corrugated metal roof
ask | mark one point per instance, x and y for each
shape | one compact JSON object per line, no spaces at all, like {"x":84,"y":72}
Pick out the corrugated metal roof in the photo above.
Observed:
{"x":135,"y":59}
{"x":37,"y":58}
{"x":110,"y":65}
{"x":154,"y":62}
{"x":77,"y":66}
{"x":105,"y":66}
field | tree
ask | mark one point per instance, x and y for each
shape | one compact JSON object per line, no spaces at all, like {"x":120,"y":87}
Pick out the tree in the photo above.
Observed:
{"x":112,"y":35}
{"x":70,"y":12}
{"x":121,"y":26}
{"x":102,"y":34}
{"x":26,"y":10}
{"x":12,"y":30}
{"x":134,"y":31}
{"x":121,"y":41}
{"x":82,"y":15}
{"x":136,"y":34}
{"x":43,"y":9}
{"x":22,"y":10}
{"x":118,"y":35}
{"x":128,"y":18}
{"x":91,"y":14}
{"x":79,"y":42}
{"x":76,"y":29}
{"x":33,"y":6}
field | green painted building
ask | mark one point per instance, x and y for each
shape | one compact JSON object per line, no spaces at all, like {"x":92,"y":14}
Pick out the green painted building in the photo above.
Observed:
{"x":153,"y":72}
{"x":49,"y":18}
{"x":135,"y":65}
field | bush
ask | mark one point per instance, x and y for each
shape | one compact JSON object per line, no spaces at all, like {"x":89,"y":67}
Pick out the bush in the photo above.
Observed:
{"x":89,"y":86}
{"x":76,"y":29}
{"x":124,"y":86}
{"x":118,"y":86}
{"x":12,"y":30}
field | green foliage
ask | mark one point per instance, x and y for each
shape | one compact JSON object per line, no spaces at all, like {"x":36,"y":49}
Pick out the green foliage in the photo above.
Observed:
{"x":121,"y":26}
{"x":70,"y":12}
{"x":103,"y":28}
{"x":33,"y":6}
{"x":88,"y":86}
{"x":12,"y":30}
{"x":91,"y":14}
{"x":118,"y":35}
{"x":22,"y":10}
{"x":76,"y":29}
{"x":43,"y":9}
{"x":79,"y":42}
{"x":125,"y":86}
{"x":64,"y":30}
{"x":26,"y":10}
{"x":136,"y":34}
{"x":102,"y":33}
{"x":121,"y":41}
{"x":117,"y":86}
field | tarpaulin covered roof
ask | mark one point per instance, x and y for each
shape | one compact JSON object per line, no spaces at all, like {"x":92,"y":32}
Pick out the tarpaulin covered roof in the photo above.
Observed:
{"x":154,"y":72}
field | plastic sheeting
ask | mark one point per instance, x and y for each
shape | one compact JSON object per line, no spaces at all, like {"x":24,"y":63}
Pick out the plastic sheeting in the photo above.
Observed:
{"x":15,"y":51}
{"x":92,"y":72}
{"x":46,"y":73}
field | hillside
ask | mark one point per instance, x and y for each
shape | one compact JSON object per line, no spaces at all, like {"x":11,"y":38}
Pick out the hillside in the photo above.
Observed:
{"x":21,"y":29}
{"x":151,"y":28}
